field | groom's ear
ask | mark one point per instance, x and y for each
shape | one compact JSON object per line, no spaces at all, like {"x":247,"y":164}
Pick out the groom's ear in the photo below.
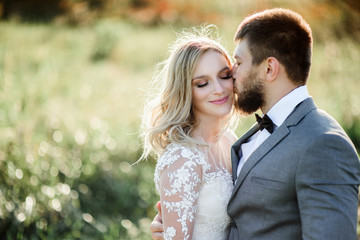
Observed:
{"x":271,"y":69}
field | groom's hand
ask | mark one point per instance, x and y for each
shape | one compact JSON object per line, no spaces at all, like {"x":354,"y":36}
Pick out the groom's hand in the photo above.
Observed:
{"x":156,"y":227}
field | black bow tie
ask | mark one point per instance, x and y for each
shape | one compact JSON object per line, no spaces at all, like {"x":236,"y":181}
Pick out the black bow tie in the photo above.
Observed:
{"x":265,"y":122}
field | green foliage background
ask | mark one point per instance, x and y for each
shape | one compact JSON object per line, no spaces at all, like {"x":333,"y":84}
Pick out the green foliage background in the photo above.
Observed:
{"x":70,"y":107}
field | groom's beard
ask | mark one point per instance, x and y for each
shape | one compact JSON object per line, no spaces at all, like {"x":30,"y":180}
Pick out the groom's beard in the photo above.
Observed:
{"x":252,"y":97}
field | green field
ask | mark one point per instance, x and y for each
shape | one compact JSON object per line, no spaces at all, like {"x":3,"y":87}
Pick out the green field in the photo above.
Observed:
{"x":70,"y":108}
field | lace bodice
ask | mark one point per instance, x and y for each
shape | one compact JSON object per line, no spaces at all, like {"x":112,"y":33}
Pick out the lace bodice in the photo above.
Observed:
{"x":194,"y":195}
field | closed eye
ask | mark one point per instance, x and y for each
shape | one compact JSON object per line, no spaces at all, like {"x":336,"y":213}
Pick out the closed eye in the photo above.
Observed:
{"x":225,"y":74}
{"x":226,"y":77}
{"x":201,"y":85}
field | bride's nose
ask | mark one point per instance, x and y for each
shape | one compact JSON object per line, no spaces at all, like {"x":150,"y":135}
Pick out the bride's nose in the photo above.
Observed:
{"x":218,"y":87}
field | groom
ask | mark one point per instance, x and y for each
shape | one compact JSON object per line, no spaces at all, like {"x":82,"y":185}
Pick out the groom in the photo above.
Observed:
{"x":296,"y":173}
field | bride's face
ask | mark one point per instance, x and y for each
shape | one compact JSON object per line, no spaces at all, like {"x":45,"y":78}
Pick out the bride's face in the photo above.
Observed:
{"x":212,"y":86}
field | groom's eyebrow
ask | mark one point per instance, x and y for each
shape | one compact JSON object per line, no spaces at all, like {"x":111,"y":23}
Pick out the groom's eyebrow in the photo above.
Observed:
{"x":237,"y":58}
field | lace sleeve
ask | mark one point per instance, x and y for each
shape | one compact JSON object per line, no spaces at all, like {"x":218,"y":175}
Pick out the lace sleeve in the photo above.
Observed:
{"x":180,"y":174}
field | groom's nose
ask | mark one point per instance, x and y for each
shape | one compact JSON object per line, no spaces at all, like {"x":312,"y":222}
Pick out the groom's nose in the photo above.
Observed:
{"x":233,"y":71}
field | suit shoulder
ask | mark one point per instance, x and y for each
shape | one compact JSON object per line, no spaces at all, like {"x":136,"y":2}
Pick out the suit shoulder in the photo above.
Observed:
{"x":319,"y":124}
{"x":319,"y":121}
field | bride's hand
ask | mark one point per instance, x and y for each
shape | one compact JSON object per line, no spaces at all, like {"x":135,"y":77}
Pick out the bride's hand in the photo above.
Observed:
{"x":156,"y":227}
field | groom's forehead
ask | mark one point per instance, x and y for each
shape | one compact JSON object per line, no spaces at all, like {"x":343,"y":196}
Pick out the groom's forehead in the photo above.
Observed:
{"x":241,"y":49}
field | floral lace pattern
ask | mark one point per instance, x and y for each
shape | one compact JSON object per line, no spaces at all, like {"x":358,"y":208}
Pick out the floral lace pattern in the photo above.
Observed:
{"x":170,"y":233}
{"x":192,"y":193}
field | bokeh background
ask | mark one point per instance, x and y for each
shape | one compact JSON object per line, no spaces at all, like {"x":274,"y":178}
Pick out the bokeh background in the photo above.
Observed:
{"x":73,"y":78}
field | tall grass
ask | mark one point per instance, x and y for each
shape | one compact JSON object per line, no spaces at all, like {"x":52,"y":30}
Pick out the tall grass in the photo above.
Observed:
{"x":70,"y":108}
{"x":69,"y":126}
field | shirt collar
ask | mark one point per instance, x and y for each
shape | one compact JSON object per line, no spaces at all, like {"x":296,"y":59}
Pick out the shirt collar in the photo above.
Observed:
{"x":282,"y":109}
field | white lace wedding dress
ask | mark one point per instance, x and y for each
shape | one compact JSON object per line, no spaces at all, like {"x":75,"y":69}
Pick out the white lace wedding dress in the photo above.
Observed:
{"x":194,"y":195}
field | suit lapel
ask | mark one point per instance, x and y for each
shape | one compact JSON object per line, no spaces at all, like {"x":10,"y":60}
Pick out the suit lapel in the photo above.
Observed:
{"x":260,"y":152}
{"x":235,"y":149}
{"x":294,"y":118}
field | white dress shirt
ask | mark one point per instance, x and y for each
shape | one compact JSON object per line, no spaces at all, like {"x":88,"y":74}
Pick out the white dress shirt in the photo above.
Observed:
{"x":278,"y":113}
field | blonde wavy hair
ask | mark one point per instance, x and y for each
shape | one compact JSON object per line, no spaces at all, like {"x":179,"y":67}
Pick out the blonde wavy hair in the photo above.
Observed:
{"x":168,"y":115}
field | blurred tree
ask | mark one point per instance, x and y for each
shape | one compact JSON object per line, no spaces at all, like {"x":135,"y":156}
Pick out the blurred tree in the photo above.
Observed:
{"x":344,"y":19}
{"x":31,"y":10}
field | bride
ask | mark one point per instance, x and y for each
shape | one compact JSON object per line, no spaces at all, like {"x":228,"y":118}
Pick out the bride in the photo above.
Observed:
{"x":187,"y":124}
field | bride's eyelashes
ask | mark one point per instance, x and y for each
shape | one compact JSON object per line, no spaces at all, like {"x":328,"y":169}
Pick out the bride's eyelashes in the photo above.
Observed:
{"x":204,"y":81}
{"x":202,"y":85}
{"x":228,"y":76}
{"x":225,"y":74}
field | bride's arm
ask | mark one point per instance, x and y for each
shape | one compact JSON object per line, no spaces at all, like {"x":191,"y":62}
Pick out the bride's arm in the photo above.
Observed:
{"x":179,"y":191}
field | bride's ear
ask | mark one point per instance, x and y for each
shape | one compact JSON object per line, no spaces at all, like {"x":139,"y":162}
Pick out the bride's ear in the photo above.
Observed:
{"x":271,"y":69}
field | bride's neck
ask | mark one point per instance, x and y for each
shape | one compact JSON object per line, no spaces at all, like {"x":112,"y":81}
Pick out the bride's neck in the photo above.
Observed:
{"x":208,"y":131}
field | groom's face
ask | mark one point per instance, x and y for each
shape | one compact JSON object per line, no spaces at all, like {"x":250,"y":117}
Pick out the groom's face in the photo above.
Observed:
{"x":248,"y":85}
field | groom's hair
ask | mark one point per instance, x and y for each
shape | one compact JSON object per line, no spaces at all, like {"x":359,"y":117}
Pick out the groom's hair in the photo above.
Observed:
{"x":282,"y":34}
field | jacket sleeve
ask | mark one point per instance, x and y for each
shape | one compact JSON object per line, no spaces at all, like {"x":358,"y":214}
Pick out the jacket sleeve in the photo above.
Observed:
{"x":327,"y":183}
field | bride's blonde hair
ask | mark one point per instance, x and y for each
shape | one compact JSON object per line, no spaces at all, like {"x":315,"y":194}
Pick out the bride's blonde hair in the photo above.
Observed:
{"x":168,"y":115}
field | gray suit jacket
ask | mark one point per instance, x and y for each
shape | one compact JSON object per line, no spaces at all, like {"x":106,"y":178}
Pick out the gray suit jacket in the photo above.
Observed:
{"x":301,"y":183}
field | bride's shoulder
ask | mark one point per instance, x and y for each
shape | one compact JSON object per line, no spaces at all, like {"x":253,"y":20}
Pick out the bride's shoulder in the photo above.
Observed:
{"x":180,"y":153}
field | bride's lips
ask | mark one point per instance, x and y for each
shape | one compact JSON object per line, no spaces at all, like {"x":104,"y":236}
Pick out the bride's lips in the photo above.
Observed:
{"x":220,"y":100}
